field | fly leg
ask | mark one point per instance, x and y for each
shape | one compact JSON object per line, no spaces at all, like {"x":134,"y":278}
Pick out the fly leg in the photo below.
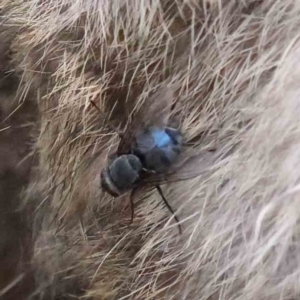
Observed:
{"x":168,"y":206}
{"x":132,"y":203}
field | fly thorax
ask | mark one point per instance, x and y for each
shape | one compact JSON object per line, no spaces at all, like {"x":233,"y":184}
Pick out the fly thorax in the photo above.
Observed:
{"x":144,"y":143}
{"x":160,"y":160}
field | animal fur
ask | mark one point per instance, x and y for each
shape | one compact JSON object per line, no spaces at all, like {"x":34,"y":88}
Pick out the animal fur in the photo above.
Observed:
{"x":234,"y":69}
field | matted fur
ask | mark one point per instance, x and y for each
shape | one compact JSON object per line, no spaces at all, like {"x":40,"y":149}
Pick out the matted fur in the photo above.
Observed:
{"x":234,"y":67}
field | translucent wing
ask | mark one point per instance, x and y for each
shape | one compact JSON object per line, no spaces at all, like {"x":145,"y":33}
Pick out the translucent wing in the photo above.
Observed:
{"x":195,"y":165}
{"x":155,"y":110}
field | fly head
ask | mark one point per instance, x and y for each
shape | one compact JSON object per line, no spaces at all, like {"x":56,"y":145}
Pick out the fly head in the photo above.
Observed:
{"x":121,"y":175}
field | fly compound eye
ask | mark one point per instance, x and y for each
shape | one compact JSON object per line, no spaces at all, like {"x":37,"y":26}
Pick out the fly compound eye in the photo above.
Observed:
{"x":134,"y":162}
{"x":123,"y":172}
{"x":107,"y":185}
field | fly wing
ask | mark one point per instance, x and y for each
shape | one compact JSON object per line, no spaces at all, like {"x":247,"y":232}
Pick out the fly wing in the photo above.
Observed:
{"x":153,"y":111}
{"x":194,"y":166}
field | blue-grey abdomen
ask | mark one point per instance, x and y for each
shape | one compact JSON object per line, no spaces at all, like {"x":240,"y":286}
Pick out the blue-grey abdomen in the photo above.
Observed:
{"x":158,"y":148}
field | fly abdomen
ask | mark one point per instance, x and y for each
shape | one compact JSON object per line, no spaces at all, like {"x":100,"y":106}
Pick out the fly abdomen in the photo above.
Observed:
{"x":159,"y":160}
{"x":158,"y":148}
